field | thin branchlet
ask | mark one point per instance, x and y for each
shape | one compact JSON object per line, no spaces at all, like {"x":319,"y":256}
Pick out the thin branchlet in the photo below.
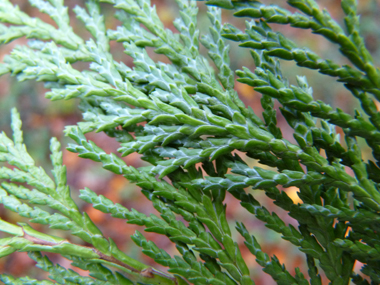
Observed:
{"x":187,"y":121}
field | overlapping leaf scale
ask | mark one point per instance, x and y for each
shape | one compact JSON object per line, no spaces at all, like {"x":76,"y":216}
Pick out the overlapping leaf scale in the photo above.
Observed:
{"x":366,"y":236}
{"x":352,"y":24}
{"x":208,"y":85}
{"x":36,"y":215}
{"x":327,"y":138}
{"x":337,"y":116}
{"x":194,"y":150}
{"x":313,"y":159}
{"x":161,"y":75}
{"x":309,"y":246}
{"x":259,"y":35}
{"x":319,"y":22}
{"x":94,"y":23}
{"x":150,"y":184}
{"x":35,"y":27}
{"x":310,"y":226}
{"x":182,"y":157}
{"x":368,"y":105}
{"x":263,"y":140}
{"x":328,"y":253}
{"x":99,"y":271}
{"x":10,"y":280}
{"x":194,"y":271}
{"x":52,"y":66}
{"x":201,"y":122}
{"x":71,"y":56}
{"x":152,"y":223}
{"x":168,"y":226}
{"x":277,"y":224}
{"x":271,"y":220}
{"x":344,"y":214}
{"x":62,"y":275}
{"x":186,"y":25}
{"x":199,"y":274}
{"x":56,"y":195}
{"x":212,"y":214}
{"x":272,"y":265}
{"x":265,"y":82}
{"x":101,"y":64}
{"x":131,"y":32}
{"x":146,"y":70}
{"x":260,"y":178}
{"x":15,"y":154}
{"x":30,"y":177}
{"x":372,"y":271}
{"x":204,"y":214}
{"x":167,"y":77}
{"x":111,"y":162}
{"x":204,"y":241}
{"x":28,"y":239}
{"x":359,"y":167}
{"x":168,"y":43}
{"x":152,"y":135}
{"x":146,"y":73}
{"x":217,"y":49}
{"x":296,"y":98}
{"x":71,"y":90}
{"x":90,"y":150}
{"x":141,"y":144}
{"x":165,"y":41}
{"x":56,"y":11}
{"x":242,"y":134}
{"x":308,"y":135}
{"x":114,"y":115}
{"x":8,"y":34}
{"x":85,"y":255}
{"x":362,"y":251}
{"x":351,"y":20}
{"x":104,"y":66}
{"x":105,"y":205}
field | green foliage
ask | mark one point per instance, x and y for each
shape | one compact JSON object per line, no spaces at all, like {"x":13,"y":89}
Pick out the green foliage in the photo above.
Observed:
{"x":186,"y":119}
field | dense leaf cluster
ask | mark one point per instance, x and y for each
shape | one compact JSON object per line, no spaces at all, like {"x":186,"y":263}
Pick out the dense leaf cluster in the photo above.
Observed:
{"x":188,"y":122}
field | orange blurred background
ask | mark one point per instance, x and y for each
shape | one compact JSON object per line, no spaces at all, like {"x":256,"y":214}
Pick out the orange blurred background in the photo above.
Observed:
{"x":43,"y":119}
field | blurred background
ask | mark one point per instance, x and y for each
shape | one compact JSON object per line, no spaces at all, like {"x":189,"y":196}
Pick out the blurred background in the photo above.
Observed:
{"x":43,"y":119}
